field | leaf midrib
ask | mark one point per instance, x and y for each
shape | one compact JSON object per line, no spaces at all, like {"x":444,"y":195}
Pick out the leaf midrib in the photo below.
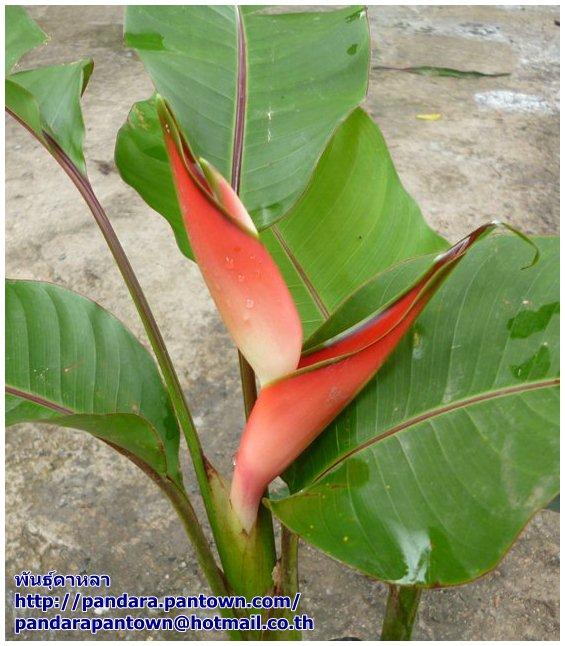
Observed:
{"x":237,"y":155}
{"x":36,"y":399}
{"x":432,"y":414}
{"x":47,"y":403}
{"x":240,"y":102}
{"x":324,"y":311}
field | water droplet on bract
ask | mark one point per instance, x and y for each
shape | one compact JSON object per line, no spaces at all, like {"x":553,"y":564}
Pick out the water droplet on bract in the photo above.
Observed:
{"x":229,"y":262}
{"x":233,"y":461}
{"x":240,"y":278}
{"x":333,"y":395}
{"x":249,"y":303}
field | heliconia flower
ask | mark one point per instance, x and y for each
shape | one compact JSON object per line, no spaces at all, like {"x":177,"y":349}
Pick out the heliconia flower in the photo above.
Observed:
{"x":244,"y":281}
{"x":291,"y":412}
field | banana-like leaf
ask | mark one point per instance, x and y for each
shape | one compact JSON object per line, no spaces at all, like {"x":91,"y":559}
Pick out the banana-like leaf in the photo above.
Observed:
{"x":71,"y":363}
{"x":353,"y":207}
{"x":22,"y":35}
{"x":257,"y":92}
{"x":47,"y":99}
{"x":429,"y":475}
{"x":355,"y":218}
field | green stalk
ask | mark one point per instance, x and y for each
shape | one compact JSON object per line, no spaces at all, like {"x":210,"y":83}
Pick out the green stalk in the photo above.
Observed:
{"x":401,"y":609}
{"x":182,"y":505}
{"x":289,"y":561}
{"x":149,"y":323}
{"x":289,"y":576}
{"x":206,"y":560}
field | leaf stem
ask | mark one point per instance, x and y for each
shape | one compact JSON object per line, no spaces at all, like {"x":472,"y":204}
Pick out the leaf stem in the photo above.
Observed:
{"x":401,"y":609}
{"x":149,"y":323}
{"x":206,"y":560}
{"x":182,"y":505}
{"x":289,"y":561}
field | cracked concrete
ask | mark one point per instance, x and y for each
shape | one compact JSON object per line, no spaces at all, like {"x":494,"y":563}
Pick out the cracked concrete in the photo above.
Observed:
{"x":72,"y":504}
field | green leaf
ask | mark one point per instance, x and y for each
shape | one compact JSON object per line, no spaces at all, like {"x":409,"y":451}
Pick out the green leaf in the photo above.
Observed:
{"x":47,"y":99}
{"x":71,"y":363}
{"x":355,"y":219}
{"x":142,"y":162}
{"x":22,"y":35}
{"x":23,"y":104}
{"x":430,"y":474}
{"x":258,"y":94}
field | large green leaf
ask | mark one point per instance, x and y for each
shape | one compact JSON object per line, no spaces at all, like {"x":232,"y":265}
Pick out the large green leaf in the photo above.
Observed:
{"x":22,"y":35}
{"x":429,"y":475}
{"x":355,"y":219}
{"x":71,"y":363}
{"x":47,"y":99}
{"x":258,"y":92}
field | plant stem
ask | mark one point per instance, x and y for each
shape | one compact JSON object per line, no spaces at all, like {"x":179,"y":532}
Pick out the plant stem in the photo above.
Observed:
{"x":149,"y":323}
{"x":401,"y":609}
{"x":248,"y":384}
{"x":179,"y":499}
{"x":184,"y":509}
{"x":289,"y":561}
{"x":289,"y":577}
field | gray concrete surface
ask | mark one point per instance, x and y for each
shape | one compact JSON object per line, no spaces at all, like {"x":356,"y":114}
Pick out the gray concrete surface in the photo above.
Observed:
{"x":73,"y":505}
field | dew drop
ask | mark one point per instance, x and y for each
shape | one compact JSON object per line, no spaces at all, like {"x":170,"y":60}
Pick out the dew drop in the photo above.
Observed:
{"x":240,"y":278}
{"x":249,"y":303}
{"x":229,"y":262}
{"x":333,"y":395}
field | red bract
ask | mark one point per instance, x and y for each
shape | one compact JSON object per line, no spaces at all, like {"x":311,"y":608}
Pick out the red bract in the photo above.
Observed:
{"x":243,"y":279}
{"x":290,"y":413}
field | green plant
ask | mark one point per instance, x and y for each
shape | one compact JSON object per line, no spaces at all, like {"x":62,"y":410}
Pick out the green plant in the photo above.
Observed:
{"x":426,"y":476}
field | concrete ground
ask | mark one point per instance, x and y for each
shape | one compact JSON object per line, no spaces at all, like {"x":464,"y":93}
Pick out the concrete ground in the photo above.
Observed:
{"x":72,"y":505}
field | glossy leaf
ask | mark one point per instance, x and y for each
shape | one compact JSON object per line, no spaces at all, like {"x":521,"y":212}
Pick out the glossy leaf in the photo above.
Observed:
{"x":257,"y":92}
{"x":246,"y":284}
{"x":22,"y":35}
{"x":71,"y":363}
{"x":430,"y":474}
{"x":47,"y":100}
{"x":355,"y":219}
